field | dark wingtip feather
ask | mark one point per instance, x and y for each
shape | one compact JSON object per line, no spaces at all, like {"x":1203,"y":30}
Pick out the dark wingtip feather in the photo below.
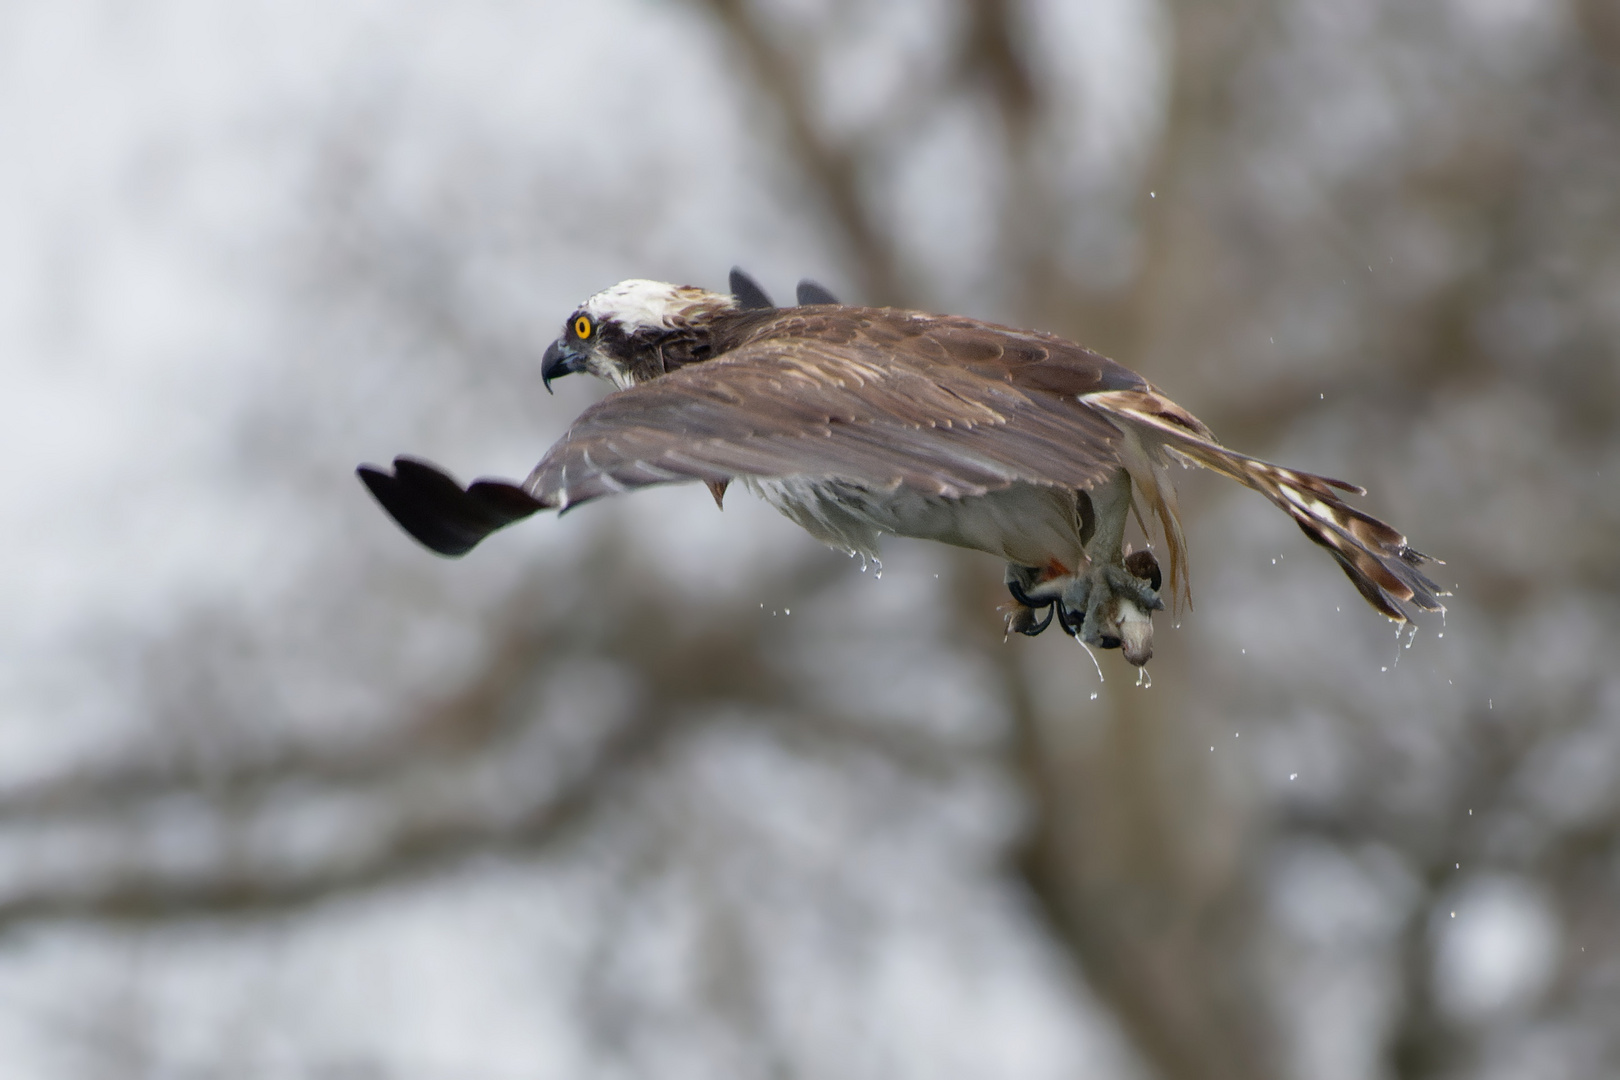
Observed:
{"x":750,"y":295}
{"x":437,"y":512}
{"x":811,"y":292}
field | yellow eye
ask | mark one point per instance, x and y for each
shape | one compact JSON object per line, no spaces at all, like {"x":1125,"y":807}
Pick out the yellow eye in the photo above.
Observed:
{"x":582,"y":326}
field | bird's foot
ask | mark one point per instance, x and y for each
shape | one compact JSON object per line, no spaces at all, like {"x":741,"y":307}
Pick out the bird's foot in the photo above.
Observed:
{"x":1111,"y":605}
{"x":1106,"y":605}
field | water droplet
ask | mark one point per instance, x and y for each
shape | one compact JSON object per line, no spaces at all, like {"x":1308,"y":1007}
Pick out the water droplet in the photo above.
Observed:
{"x":1245,"y":652}
{"x":1383,"y":669}
{"x":787,"y":611}
{"x":1153,"y":194}
{"x":1453,"y":914}
{"x":1094,"y":695}
{"x":1293,"y":776}
{"x":1093,"y":656}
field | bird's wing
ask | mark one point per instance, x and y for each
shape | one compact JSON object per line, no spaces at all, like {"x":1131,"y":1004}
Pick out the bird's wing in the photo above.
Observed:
{"x":859,"y":408}
{"x":443,"y":516}
{"x":879,"y":398}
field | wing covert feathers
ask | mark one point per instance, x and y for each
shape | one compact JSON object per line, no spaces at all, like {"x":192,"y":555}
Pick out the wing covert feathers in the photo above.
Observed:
{"x":1376,"y":558}
{"x":937,"y":406}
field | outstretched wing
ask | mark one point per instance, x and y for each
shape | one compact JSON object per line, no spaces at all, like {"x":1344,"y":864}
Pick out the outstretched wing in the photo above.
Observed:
{"x":949,"y":407}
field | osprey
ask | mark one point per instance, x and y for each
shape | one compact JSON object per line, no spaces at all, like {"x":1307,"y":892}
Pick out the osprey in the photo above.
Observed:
{"x":858,"y":421}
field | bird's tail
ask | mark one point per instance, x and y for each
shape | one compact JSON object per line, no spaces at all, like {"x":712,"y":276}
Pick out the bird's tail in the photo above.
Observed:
{"x":1375,"y":557}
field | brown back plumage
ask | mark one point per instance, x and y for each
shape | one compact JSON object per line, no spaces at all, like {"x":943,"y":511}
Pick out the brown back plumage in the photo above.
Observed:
{"x":871,"y":396}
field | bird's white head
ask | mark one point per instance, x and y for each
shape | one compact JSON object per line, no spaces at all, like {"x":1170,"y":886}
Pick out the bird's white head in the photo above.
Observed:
{"x":631,"y":331}
{"x":639,"y":304}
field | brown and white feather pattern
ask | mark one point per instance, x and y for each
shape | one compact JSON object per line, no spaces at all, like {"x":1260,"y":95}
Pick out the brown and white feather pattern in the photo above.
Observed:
{"x":859,"y":421}
{"x":1376,"y":558}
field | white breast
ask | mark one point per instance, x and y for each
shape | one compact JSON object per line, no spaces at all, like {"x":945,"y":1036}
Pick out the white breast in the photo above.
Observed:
{"x":1026,"y":524}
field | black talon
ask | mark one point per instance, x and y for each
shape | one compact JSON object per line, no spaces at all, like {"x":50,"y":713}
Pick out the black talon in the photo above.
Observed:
{"x":1022,"y":597}
{"x":1031,"y":629}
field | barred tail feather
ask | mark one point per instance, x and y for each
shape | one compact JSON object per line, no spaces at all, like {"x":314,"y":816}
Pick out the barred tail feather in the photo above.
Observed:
{"x":1376,"y":558}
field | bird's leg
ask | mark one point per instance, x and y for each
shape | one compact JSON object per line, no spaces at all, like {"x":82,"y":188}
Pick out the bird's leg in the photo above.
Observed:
{"x":1110,"y":603}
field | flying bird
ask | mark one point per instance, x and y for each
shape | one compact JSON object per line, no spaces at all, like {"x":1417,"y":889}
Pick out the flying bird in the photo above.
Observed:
{"x":857,"y":422}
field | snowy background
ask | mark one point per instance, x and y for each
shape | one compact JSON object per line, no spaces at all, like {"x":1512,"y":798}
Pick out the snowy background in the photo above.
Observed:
{"x":651,"y":790}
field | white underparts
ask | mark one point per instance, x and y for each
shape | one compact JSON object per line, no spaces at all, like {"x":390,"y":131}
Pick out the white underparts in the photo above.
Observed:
{"x":1026,"y":523}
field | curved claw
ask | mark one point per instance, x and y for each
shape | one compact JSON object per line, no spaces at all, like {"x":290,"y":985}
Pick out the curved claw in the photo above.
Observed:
{"x":1021,"y":620}
{"x":1065,"y":619}
{"x":1016,"y":588}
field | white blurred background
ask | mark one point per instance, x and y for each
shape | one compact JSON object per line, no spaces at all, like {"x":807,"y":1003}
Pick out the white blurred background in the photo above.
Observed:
{"x":651,"y":790}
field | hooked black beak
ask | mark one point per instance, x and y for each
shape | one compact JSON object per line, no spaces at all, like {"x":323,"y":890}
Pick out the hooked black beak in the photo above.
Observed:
{"x":559,"y":360}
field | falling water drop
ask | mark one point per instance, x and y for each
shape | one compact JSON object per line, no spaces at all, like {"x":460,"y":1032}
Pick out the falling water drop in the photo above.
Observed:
{"x":1093,"y":656}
